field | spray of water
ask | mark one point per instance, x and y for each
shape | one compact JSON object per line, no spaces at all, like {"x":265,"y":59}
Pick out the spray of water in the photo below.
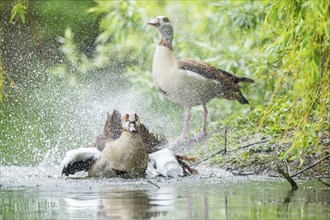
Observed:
{"x":54,"y":115}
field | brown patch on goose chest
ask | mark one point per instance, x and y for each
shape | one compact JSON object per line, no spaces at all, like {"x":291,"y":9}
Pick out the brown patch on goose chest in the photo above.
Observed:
{"x":165,"y":43}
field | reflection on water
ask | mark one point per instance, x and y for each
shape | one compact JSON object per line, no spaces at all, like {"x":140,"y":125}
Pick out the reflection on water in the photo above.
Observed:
{"x":104,"y":204}
{"x":185,"y":198}
{"x":123,"y":204}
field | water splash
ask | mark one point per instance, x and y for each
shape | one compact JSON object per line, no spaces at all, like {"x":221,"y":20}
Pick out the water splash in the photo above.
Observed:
{"x":51,"y":115}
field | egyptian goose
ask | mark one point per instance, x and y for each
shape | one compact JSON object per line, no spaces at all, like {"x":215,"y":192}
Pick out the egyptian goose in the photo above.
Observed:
{"x":190,"y":82}
{"x":126,"y":156}
{"x":111,"y":157}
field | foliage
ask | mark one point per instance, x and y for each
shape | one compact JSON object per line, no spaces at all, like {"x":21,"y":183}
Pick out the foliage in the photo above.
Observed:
{"x":119,"y":19}
{"x":51,"y":18}
{"x":298,"y":48}
{"x":291,"y":60}
{"x":19,"y":11}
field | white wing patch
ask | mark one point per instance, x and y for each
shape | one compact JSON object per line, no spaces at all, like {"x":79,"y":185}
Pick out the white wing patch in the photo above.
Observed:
{"x":195,"y":75}
{"x":164,"y":162}
{"x":80,"y":154}
{"x":200,"y":77}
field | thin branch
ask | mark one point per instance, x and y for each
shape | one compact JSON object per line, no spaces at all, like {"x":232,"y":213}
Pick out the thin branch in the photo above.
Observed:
{"x":225,"y":147}
{"x":311,"y":166}
{"x":249,"y":145}
{"x":223,"y":150}
{"x":209,"y":157}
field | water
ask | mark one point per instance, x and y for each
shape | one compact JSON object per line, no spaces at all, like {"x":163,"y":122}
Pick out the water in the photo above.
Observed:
{"x":40,"y":193}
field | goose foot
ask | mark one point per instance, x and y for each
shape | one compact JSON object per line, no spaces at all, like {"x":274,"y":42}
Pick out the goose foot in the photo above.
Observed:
{"x":199,"y":136}
{"x":183,"y":140}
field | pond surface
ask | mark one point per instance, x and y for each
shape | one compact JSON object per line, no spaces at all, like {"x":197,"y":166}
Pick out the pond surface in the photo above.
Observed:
{"x":40,"y":193}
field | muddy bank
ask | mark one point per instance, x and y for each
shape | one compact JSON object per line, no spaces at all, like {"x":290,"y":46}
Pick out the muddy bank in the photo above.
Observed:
{"x":259,"y":156}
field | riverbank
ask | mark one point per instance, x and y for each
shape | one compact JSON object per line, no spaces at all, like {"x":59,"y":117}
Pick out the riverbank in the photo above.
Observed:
{"x":260,"y":155}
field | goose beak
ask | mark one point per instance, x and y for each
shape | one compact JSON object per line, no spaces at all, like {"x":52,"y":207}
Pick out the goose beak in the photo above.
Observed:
{"x":154,"y":22}
{"x":131,"y":127}
{"x":131,"y":122}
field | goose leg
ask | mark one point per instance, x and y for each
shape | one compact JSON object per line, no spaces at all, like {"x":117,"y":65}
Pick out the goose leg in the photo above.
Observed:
{"x":204,"y":120}
{"x":185,"y":132}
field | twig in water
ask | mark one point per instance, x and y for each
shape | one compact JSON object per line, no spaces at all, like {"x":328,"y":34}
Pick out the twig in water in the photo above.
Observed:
{"x":242,"y":173}
{"x":293,"y":184}
{"x":311,"y":166}
{"x":153,"y":184}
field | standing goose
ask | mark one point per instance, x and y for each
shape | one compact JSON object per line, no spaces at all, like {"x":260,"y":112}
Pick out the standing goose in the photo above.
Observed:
{"x":190,"y":82}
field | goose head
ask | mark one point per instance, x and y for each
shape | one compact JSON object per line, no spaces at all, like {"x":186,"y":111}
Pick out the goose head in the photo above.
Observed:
{"x":164,"y":26}
{"x":131,"y":122}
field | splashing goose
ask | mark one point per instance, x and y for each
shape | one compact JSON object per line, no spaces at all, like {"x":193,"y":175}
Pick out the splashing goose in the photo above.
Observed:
{"x":127,"y":155}
{"x":106,"y":160}
{"x":190,"y":82}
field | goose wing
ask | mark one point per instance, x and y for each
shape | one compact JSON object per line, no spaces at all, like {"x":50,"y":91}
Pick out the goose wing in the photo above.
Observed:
{"x":210,"y":72}
{"x":80,"y":159}
{"x":151,"y":140}
{"x":165,"y":163}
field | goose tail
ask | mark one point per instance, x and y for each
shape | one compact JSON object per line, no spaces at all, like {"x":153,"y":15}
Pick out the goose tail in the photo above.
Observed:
{"x":184,"y":162}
